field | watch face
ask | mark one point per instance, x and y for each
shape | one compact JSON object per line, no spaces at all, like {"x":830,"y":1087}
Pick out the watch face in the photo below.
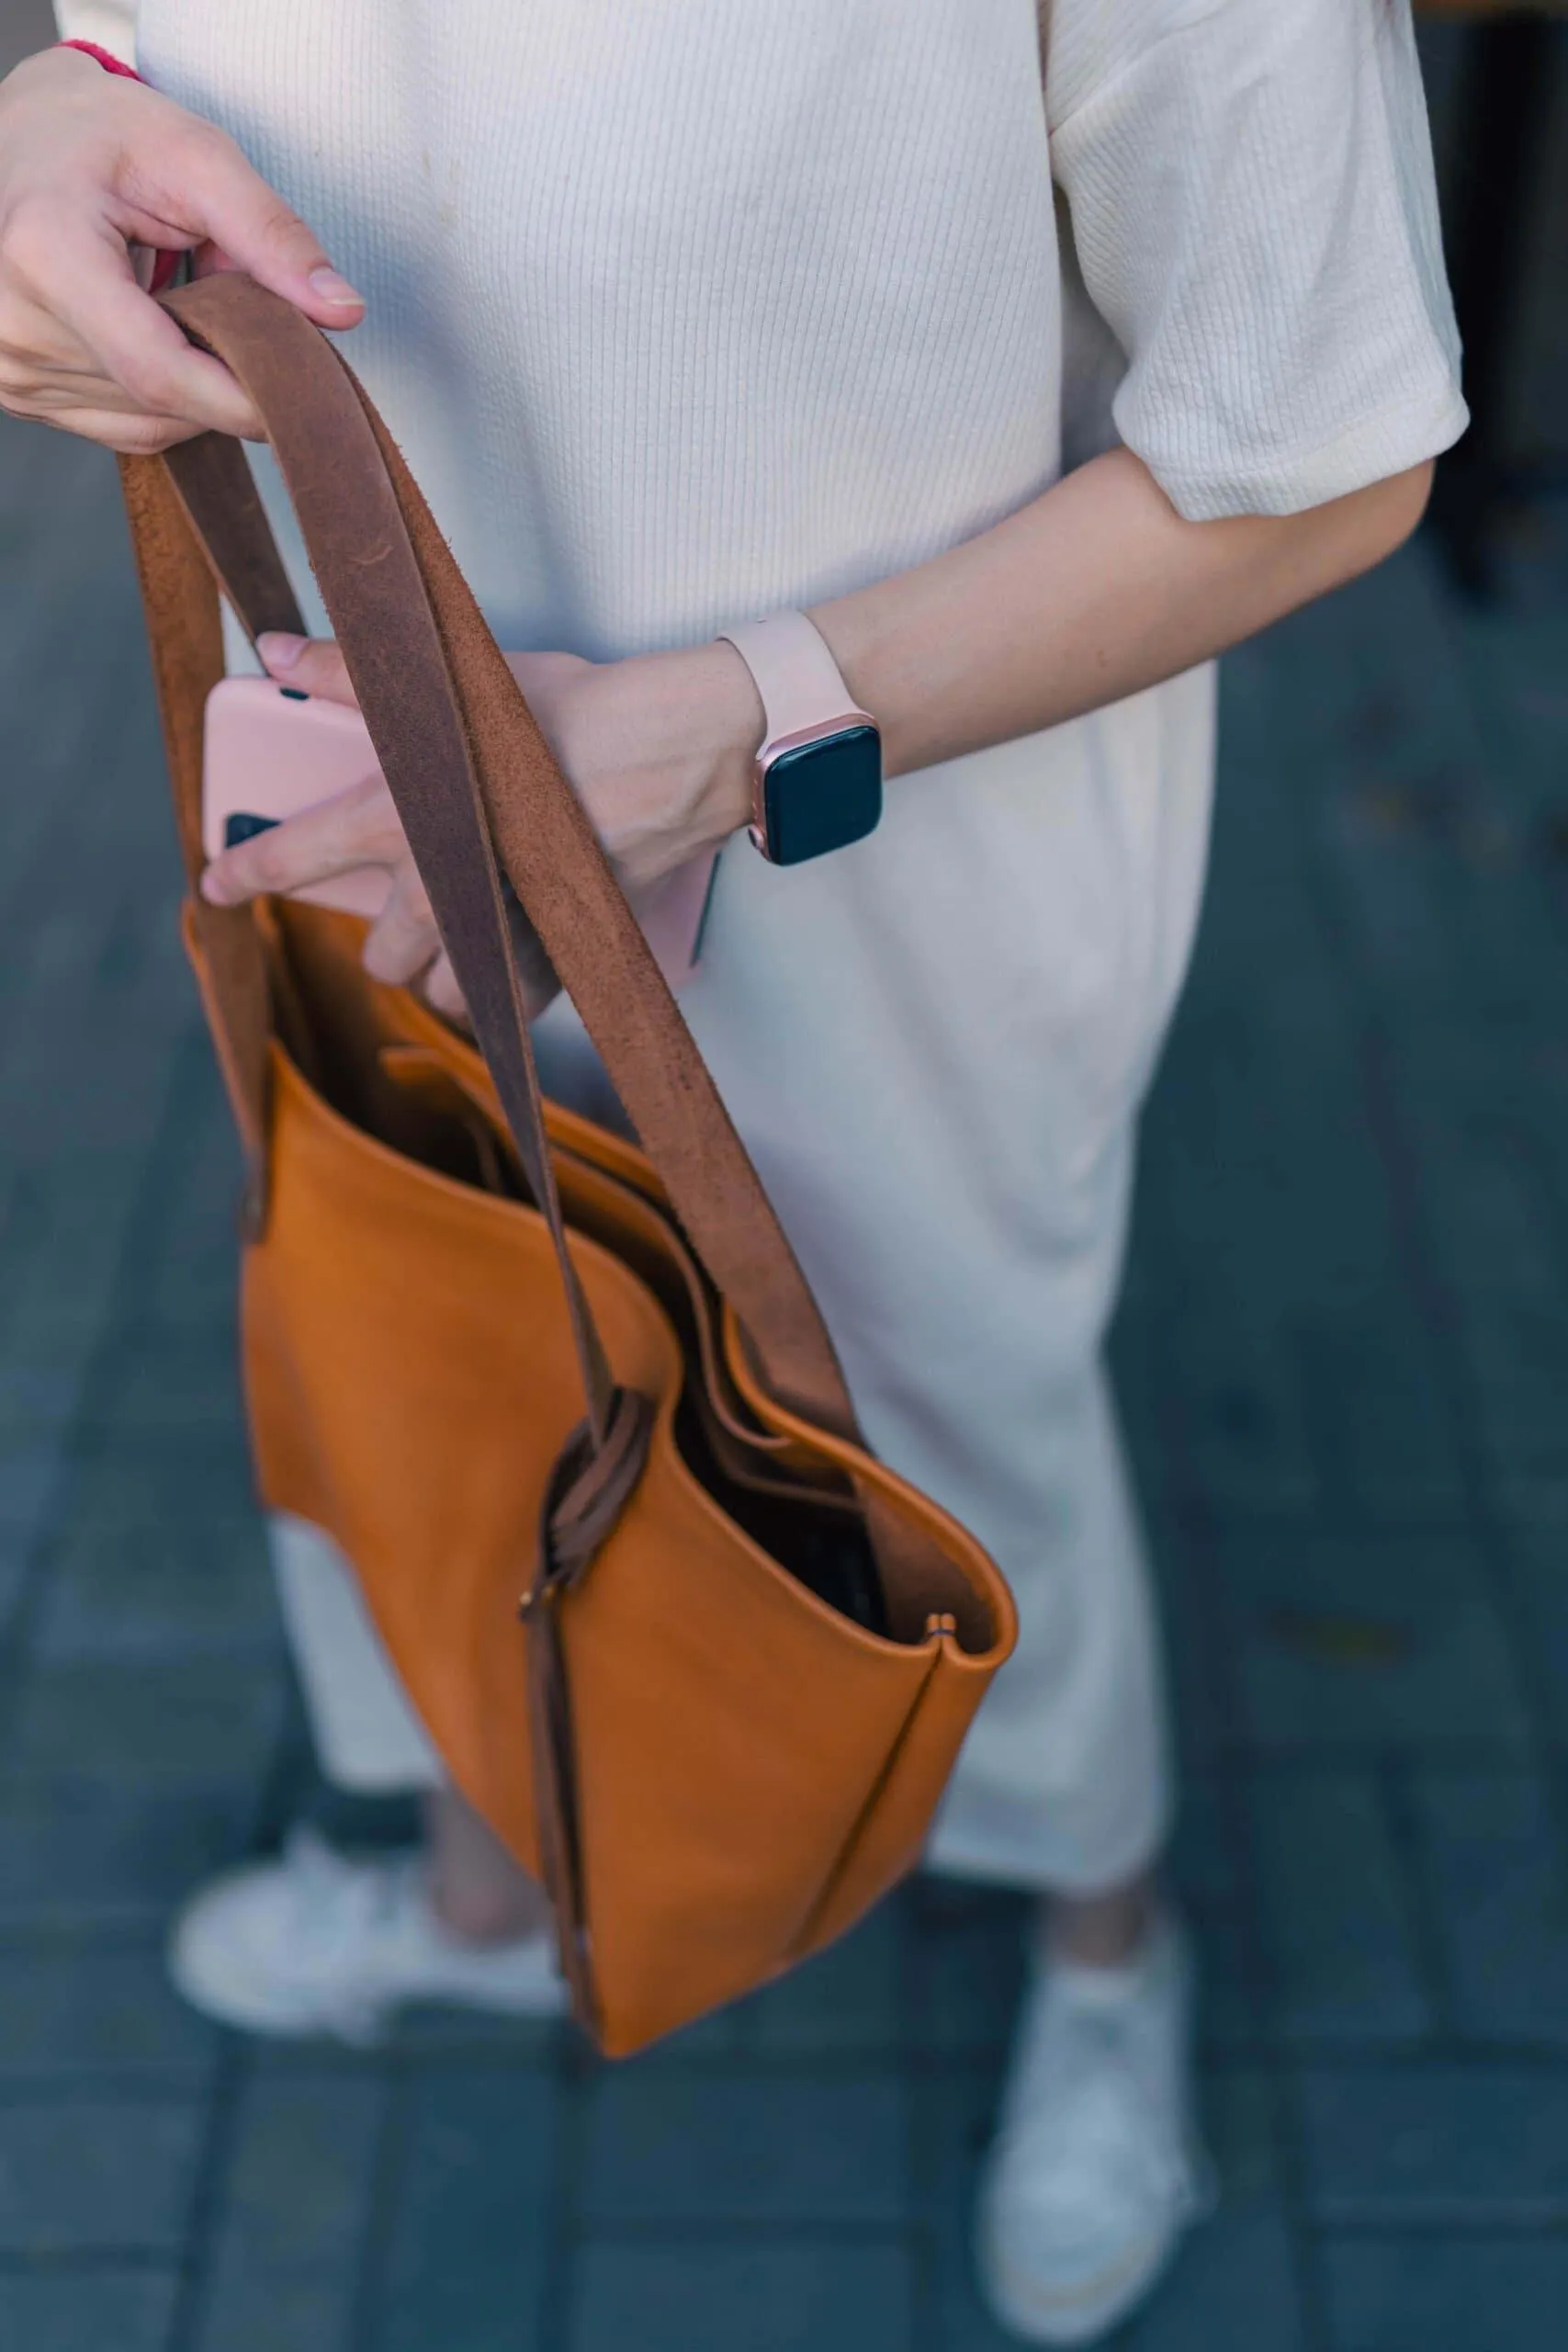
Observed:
{"x":823,"y":796}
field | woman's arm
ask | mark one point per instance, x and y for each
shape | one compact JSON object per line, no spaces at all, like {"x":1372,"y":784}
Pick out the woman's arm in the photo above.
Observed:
{"x":1095,"y":590}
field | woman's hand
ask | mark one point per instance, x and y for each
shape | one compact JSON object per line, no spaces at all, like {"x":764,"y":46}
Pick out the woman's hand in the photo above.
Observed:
{"x":90,"y":165}
{"x":659,"y":748}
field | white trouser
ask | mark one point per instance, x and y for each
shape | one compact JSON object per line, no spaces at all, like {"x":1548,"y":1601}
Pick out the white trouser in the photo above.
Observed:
{"x":935,"y":1045}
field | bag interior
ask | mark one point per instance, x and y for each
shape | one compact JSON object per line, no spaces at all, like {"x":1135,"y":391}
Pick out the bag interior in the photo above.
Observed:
{"x":353,"y":1041}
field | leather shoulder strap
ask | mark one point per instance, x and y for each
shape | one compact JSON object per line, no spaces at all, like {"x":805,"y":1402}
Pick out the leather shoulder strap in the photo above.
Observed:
{"x":469,"y":767}
{"x":186,"y":640}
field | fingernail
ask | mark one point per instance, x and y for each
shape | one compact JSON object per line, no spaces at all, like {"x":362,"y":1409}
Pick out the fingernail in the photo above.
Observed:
{"x":280,"y":649}
{"x":332,"y":286}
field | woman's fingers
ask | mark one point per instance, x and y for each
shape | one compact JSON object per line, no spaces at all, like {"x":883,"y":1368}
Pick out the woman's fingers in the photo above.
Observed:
{"x":136,"y":346}
{"x":360,"y":828}
{"x":92,"y":165}
{"x":312,"y":664}
{"x":355,"y":828}
{"x":441,"y":990}
{"x":213,"y":195}
{"x":404,"y":939}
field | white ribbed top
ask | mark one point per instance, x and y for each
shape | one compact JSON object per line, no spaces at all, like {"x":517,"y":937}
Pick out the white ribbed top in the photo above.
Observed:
{"x":684,"y":308}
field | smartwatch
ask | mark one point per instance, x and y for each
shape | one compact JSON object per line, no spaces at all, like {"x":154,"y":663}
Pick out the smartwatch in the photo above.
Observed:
{"x":818,"y":781}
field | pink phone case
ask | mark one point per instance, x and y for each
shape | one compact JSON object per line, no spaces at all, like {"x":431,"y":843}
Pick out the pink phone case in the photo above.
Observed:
{"x":270,"y":752}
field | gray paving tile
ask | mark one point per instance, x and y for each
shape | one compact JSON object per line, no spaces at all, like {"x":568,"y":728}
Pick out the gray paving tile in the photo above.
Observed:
{"x":967,"y":1959}
{"x":1404,"y":2294}
{"x":953,"y":2114}
{"x":1298,"y":1371}
{"x":78,"y":1850}
{"x":285,"y":2264}
{"x":1243,"y":1432}
{"x":1383,"y":1422}
{"x":1438,"y":2144}
{"x":1363,"y":1638}
{"x":33,"y":1471}
{"x":213,"y":1719}
{"x":848,"y":1999}
{"x":1203,"y":1698}
{"x":66,"y":1243}
{"x":1519,"y":1360}
{"x":185,"y":1385}
{"x":17,"y":1548}
{"x":1499,"y":1888}
{"x":465,"y":2230}
{"x":1210,"y":1888}
{"x":92,"y":2311}
{"x":58,"y":1325}
{"x":1339,"y":1913}
{"x":74,"y":2006}
{"x":666,"y":2146}
{"x":704,"y":2295}
{"x":1536,"y":1516}
{"x":180,"y":1587}
{"x":458,"y":2037}
{"x":35,"y":1399}
{"x":98,"y":2173}
{"x":1236,"y":2281}
{"x":1490,"y":1170}
{"x":1545,"y":1607}
{"x":148,"y":1477}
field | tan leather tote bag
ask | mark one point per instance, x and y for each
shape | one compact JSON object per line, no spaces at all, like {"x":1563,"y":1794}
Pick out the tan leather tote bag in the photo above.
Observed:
{"x":569,"y":1405}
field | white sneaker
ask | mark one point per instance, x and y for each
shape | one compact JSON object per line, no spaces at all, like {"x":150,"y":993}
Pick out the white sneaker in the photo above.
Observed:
{"x":1097,"y":2168}
{"x":316,"y":1943}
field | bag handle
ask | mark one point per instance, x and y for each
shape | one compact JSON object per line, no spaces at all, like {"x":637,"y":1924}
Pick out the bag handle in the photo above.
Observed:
{"x":469,"y":767}
{"x":215,"y":487}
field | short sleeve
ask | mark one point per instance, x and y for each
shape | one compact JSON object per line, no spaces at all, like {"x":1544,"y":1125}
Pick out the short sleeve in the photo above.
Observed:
{"x":1254,"y":211}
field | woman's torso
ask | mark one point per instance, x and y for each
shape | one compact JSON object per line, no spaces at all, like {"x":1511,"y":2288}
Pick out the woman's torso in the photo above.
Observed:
{"x":685,"y":310}
{"x":680,"y":311}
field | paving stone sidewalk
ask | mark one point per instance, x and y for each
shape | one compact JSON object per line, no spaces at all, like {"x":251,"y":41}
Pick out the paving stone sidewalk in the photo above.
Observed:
{"x":1344,"y":1364}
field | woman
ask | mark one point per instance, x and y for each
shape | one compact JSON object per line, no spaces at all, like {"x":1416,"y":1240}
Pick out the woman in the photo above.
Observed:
{"x":691,"y":312}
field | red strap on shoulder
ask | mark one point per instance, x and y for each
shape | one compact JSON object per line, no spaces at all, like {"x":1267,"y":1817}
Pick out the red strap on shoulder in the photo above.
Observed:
{"x":166,"y":265}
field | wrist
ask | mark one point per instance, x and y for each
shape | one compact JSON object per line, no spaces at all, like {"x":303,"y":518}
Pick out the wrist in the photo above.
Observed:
{"x":719,"y":701}
{"x":660,"y":747}
{"x":853,"y":629}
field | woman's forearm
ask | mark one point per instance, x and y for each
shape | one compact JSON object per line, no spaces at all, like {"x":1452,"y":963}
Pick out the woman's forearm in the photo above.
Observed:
{"x":1097,"y":589}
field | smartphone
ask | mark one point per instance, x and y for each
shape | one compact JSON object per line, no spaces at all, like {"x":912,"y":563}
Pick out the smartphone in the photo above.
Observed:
{"x":271,"y":752}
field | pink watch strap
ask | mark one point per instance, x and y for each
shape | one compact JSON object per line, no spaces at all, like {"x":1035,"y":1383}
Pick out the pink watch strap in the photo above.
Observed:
{"x":801,"y":686}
